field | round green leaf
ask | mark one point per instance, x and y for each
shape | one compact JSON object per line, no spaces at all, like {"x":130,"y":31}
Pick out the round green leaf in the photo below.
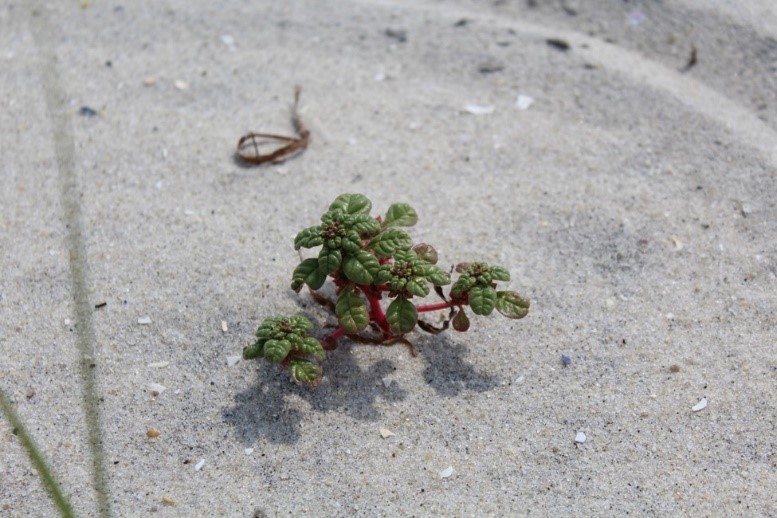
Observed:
{"x":482,"y":300}
{"x":511,"y":304}
{"x":312,"y":347}
{"x":308,"y":272}
{"x":351,"y":311}
{"x":276,"y":350}
{"x":301,"y":324}
{"x":305,"y":372}
{"x":351,"y":243}
{"x":389,"y":241}
{"x":352,"y":204}
{"x":255,"y":350}
{"x":436,"y":276}
{"x":365,"y":224}
{"x":402,"y":316}
{"x":308,"y":238}
{"x":500,"y":274}
{"x":361,"y":268}
{"x":400,"y":215}
{"x":329,"y":260}
{"x":417,"y":287}
{"x":462,"y":285}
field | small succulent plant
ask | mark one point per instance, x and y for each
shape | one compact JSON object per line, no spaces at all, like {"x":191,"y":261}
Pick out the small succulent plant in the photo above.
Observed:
{"x":368,"y":259}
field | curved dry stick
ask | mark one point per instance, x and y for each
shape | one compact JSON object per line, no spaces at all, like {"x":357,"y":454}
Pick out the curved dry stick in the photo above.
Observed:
{"x":294,"y":145}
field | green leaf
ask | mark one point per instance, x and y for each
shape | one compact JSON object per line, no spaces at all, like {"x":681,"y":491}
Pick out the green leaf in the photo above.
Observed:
{"x":329,"y":260}
{"x":482,"y":300}
{"x":308,"y":272}
{"x":305,"y":372}
{"x":365,"y":224}
{"x":402,"y":316}
{"x":417,"y":287}
{"x":312,"y":347}
{"x":276,"y":350}
{"x":308,"y":238}
{"x":436,"y":276}
{"x":301,"y":325}
{"x":361,"y":268}
{"x":351,"y":311}
{"x":461,"y":321}
{"x":511,"y":304}
{"x":400,"y":215}
{"x":352,"y":204}
{"x":384,"y":274}
{"x":351,"y":243}
{"x":254,"y":351}
{"x":462,"y":285}
{"x":499,"y":274}
{"x":389,"y":241}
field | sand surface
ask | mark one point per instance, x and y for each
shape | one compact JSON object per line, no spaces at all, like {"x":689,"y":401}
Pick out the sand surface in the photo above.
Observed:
{"x":631,"y":192}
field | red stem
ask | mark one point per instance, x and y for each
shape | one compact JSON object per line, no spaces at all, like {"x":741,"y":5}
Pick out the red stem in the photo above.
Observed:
{"x":432,"y":307}
{"x":376,"y":311}
{"x":330,"y":342}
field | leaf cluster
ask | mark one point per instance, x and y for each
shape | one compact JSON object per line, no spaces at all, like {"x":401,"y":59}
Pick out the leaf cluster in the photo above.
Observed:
{"x":351,"y":241}
{"x":368,"y":258}
{"x":285,"y":340}
{"x":476,"y":286}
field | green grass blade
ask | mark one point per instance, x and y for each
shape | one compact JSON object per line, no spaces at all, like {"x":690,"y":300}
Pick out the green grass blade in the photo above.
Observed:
{"x":35,"y":457}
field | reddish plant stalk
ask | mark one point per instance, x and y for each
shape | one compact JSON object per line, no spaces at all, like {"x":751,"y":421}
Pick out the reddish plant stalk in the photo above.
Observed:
{"x":376,"y":311}
{"x":330,"y":342}
{"x":424,"y":308}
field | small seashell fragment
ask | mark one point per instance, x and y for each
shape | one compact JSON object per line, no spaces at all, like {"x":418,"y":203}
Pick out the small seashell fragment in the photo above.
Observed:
{"x":678,"y":245}
{"x":168,"y":501}
{"x":144,"y":321}
{"x":523,"y":102}
{"x":199,"y":465}
{"x":580,"y":438}
{"x":386,"y":433}
{"x":701,"y":405}
{"x":476,"y":109}
{"x":447,"y":472}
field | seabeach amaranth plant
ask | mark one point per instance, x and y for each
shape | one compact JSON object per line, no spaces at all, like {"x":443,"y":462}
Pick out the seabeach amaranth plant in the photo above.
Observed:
{"x":370,"y":259}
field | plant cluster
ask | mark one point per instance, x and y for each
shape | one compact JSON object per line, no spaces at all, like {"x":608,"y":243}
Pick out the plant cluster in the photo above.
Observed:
{"x":370,"y":259}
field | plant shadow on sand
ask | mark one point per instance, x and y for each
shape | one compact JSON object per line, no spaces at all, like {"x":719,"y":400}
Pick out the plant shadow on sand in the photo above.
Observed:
{"x":268,"y":409}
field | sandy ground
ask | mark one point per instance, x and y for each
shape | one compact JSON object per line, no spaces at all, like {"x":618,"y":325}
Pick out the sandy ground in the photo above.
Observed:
{"x":633,"y":200}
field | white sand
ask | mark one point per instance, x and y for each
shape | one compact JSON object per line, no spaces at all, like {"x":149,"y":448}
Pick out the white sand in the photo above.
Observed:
{"x":634,"y":204}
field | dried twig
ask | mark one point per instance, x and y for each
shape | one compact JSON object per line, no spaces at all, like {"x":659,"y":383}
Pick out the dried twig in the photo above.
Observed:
{"x":248,"y":147}
{"x":429,"y":328}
